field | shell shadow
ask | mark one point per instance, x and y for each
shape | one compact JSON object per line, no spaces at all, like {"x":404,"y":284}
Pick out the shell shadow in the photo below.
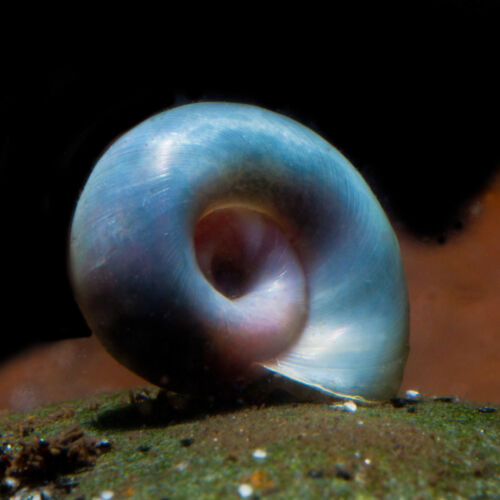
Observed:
{"x":167,"y":408}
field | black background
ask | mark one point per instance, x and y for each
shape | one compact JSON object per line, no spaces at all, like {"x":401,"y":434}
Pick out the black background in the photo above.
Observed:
{"x":410,"y":97}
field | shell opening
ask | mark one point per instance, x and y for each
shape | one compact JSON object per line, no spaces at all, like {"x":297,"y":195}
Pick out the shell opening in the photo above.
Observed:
{"x":246,"y":257}
{"x":222,"y":249}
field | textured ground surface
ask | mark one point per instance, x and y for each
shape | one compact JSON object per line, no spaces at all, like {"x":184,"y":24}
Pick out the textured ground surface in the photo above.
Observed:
{"x":149,"y":447}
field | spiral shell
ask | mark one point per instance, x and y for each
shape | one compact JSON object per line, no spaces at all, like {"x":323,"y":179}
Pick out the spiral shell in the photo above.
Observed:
{"x":323,"y":300}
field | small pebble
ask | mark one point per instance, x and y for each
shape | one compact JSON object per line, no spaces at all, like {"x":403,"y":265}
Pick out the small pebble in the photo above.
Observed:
{"x":349,"y":406}
{"x":20,"y":494}
{"x":181,"y":466}
{"x":245,"y":490}
{"x":11,"y":482}
{"x":103,"y":444}
{"x":259,"y":454}
{"x":412,"y":394}
{"x":367,"y":461}
{"x":26,"y":494}
{"x":107,"y":495}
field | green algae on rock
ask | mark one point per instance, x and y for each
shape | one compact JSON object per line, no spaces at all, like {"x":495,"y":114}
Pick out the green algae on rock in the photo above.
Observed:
{"x":424,"y":450}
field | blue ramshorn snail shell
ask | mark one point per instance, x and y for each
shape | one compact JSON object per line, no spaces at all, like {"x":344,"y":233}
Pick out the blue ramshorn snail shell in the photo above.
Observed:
{"x":216,"y":237}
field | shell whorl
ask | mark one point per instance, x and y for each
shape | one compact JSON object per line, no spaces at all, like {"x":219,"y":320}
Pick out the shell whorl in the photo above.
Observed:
{"x":333,"y":303}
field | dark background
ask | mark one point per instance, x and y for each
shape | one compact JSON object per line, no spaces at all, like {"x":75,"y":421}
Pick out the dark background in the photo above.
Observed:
{"x":413,"y":103}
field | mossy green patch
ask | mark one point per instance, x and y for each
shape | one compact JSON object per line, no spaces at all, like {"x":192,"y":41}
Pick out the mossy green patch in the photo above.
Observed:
{"x":429,"y":449}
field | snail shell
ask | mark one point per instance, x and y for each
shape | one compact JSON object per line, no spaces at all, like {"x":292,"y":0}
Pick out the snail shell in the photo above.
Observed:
{"x":216,"y":237}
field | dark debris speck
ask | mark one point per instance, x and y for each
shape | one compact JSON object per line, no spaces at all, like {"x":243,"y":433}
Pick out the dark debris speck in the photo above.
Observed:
{"x":487,"y":409}
{"x":187,"y":442}
{"x":27,"y":430}
{"x":402,"y":402}
{"x":315,"y":474}
{"x":445,"y":399}
{"x":342,"y":472}
{"x":144,"y":448}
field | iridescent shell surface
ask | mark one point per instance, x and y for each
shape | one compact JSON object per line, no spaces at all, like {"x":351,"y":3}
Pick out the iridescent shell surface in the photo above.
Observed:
{"x":327,"y":306}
